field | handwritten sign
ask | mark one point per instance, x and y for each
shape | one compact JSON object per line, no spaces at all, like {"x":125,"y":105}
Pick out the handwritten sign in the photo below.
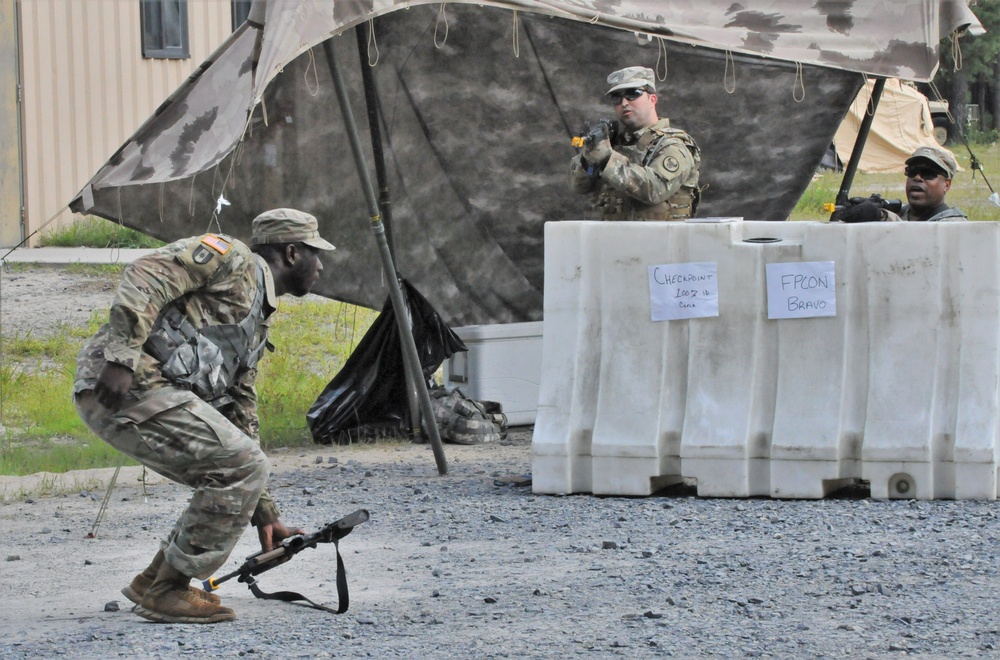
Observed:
{"x":801,"y":290}
{"x":683,"y":291}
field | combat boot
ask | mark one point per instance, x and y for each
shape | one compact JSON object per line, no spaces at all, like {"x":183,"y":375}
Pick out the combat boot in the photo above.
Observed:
{"x":140,"y":583}
{"x":169,"y":599}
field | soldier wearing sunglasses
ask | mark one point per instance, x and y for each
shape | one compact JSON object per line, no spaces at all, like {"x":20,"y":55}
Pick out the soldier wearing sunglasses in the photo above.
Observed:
{"x":928,"y":178}
{"x":647,"y":170}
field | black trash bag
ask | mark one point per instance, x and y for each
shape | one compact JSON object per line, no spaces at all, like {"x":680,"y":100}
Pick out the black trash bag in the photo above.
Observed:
{"x":368,"y":396}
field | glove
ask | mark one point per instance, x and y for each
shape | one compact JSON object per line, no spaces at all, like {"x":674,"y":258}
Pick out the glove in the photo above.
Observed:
{"x":864,"y":212}
{"x":598,"y":153}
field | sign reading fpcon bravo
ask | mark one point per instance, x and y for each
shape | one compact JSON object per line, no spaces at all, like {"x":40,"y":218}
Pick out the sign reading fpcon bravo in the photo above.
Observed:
{"x":801,"y":290}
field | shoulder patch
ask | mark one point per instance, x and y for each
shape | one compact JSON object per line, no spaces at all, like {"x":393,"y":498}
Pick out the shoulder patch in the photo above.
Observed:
{"x":671,"y":164}
{"x":202,"y":255}
{"x":218,"y":244}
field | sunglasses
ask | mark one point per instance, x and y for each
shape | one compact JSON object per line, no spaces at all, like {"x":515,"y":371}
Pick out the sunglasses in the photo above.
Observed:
{"x":925,"y":173}
{"x":628,"y":94}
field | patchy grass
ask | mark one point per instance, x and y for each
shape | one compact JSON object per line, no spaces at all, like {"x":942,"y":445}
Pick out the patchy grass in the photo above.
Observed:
{"x":313,"y":339}
{"x":97,"y":232}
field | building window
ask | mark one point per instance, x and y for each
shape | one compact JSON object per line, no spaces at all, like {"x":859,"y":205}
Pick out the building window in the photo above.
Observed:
{"x":165,"y":29}
{"x":241,"y":9}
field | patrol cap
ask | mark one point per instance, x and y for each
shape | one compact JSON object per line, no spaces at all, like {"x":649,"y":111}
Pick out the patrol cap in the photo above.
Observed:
{"x":631,"y":78}
{"x":939,"y":157}
{"x":288,"y":226}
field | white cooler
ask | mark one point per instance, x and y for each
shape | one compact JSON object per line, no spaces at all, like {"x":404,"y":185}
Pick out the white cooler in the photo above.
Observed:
{"x":503,"y":363}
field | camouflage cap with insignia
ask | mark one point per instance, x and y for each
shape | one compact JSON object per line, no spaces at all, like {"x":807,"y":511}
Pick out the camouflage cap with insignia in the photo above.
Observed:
{"x":631,"y":78}
{"x":940,"y":157}
{"x":288,"y":226}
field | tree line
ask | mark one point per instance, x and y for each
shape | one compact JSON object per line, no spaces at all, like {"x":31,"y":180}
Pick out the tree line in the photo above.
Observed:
{"x":970,"y":75}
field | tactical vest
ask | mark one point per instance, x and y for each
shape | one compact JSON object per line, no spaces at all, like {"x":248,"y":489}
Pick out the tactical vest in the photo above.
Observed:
{"x":615,"y":205}
{"x":207,"y":360}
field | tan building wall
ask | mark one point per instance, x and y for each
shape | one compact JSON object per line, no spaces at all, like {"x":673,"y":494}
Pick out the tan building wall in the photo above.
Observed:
{"x":86,"y":88}
{"x":10,"y":133}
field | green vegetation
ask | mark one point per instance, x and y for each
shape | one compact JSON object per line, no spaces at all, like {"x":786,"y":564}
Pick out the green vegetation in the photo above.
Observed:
{"x":44,"y":434}
{"x":969,"y":191}
{"x":97,"y":232}
{"x":313,"y":339}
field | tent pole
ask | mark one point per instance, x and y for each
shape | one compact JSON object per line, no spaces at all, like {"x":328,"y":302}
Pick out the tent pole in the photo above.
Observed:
{"x":384,"y":201}
{"x":859,"y":146}
{"x":411,"y":359}
{"x":375,"y":127}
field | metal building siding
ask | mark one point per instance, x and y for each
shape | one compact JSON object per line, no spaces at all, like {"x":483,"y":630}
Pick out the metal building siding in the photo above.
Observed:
{"x":10,"y":153}
{"x":87,"y":88}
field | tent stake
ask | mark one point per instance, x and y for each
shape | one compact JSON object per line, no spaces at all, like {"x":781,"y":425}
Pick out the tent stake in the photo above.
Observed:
{"x":859,"y":146}
{"x":410,"y":356}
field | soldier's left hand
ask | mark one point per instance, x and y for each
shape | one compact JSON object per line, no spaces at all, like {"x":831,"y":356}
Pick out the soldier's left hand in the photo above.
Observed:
{"x":274,"y":533}
{"x":599,"y":153}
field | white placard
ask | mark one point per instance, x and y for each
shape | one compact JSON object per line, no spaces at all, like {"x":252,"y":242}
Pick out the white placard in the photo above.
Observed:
{"x":683,"y":291}
{"x":801,"y":290}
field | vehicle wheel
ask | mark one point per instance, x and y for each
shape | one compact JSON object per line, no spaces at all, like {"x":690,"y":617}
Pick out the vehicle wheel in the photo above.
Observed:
{"x":942,"y":130}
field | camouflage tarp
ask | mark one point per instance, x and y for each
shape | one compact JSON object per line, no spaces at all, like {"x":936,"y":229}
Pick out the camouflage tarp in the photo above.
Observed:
{"x":478,"y":104}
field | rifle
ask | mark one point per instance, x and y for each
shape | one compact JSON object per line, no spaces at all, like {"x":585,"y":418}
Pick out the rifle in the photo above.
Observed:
{"x":837,"y":210}
{"x":265,"y":561}
{"x":600,"y":129}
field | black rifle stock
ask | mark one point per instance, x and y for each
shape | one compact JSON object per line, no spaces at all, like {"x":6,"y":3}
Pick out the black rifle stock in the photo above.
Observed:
{"x":265,"y":561}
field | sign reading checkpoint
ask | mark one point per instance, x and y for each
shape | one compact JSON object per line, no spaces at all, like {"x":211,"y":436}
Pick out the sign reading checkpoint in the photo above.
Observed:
{"x":794,"y":290}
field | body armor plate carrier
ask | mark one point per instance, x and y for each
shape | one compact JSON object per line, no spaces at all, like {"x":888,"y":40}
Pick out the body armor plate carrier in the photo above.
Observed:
{"x":207,"y":360}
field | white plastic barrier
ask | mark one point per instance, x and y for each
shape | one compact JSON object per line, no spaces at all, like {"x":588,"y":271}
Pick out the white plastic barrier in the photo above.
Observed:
{"x":900,"y":388}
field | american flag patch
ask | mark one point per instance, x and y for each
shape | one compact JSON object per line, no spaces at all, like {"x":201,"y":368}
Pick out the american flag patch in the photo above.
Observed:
{"x":218,"y":244}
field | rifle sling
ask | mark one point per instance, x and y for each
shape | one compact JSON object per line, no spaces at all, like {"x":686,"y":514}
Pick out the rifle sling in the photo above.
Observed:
{"x":343,"y":597}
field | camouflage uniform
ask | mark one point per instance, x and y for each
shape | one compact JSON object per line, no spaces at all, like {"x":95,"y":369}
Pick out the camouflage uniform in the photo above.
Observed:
{"x":206,"y":440}
{"x":651,"y":175}
{"x":942,"y":213}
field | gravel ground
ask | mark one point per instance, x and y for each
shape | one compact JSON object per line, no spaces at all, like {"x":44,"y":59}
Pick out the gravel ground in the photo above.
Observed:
{"x":465,"y":565}
{"x":37,"y":299}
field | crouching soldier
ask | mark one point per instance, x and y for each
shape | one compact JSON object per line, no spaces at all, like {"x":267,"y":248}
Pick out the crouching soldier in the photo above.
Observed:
{"x":169,"y":381}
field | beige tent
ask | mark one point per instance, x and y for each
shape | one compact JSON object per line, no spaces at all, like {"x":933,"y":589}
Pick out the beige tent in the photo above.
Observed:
{"x":901,"y":124}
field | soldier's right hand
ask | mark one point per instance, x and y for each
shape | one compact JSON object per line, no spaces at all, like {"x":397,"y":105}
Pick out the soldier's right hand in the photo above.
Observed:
{"x":113,"y":384}
{"x":599,"y":153}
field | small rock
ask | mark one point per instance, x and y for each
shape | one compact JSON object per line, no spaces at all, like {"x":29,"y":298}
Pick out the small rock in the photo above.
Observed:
{"x":87,"y":562}
{"x":309,"y":503}
{"x":112,"y":606}
{"x":319,"y":459}
{"x":497,"y":519}
{"x":652,"y":615}
{"x":13,"y":557}
{"x":332,"y":460}
{"x":609,"y":545}
{"x":490,"y":600}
